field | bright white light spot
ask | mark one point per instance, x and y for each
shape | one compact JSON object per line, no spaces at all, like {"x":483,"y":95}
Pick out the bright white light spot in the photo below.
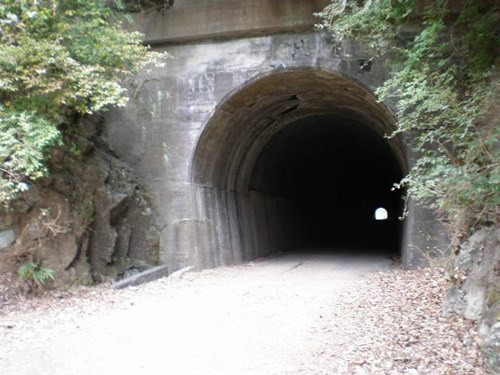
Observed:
{"x":381,"y":214}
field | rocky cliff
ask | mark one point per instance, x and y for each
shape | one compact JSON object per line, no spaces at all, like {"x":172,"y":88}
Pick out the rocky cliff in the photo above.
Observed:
{"x":90,"y":221}
{"x":476,"y":294}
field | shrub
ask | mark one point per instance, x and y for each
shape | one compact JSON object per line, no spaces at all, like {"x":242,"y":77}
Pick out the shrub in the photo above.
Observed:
{"x":444,"y":90}
{"x":58,"y":59}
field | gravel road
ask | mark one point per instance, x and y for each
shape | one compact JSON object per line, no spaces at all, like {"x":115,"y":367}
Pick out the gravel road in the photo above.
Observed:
{"x":314,"y":312}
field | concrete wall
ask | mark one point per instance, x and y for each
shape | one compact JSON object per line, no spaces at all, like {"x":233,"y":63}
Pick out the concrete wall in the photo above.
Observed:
{"x":180,"y":120}
{"x":194,"y":20}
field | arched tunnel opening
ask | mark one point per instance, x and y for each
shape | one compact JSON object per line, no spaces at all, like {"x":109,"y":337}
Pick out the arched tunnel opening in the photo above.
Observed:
{"x":298,"y":159}
{"x":338,"y":172}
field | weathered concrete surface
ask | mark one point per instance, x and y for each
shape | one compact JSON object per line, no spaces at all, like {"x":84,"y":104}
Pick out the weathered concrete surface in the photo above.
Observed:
{"x":189,"y":20}
{"x":195,"y":129}
{"x":151,"y":274}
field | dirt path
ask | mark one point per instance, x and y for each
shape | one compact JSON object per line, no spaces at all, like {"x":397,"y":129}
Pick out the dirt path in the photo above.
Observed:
{"x":298,"y":314}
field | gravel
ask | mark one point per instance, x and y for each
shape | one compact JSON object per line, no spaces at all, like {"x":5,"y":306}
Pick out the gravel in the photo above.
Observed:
{"x":304,"y":313}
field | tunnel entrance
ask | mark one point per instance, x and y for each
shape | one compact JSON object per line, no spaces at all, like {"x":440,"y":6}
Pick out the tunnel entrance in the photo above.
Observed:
{"x":297,"y":159}
{"x":338,"y":172}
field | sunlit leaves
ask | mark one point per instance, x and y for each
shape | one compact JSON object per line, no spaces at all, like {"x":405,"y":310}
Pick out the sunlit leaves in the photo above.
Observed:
{"x":57,"y":59}
{"x":24,"y":139}
{"x":376,"y":18}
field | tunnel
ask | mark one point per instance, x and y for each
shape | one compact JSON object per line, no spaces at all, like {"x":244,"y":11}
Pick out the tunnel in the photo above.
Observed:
{"x":338,"y":172}
{"x":296,"y":160}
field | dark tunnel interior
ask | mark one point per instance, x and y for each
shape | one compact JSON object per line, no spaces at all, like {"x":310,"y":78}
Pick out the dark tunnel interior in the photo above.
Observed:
{"x":337,"y":172}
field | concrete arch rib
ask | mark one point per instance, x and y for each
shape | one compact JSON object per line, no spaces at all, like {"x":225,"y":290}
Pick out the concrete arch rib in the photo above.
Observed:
{"x":243,"y":214}
{"x":245,"y":121}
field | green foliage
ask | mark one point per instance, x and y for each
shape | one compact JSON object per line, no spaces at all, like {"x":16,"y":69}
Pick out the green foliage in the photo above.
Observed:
{"x":58,"y":59}
{"x":444,"y":90}
{"x":145,"y":5}
{"x":348,"y":18}
{"x":31,"y":272}
{"x":24,"y":138}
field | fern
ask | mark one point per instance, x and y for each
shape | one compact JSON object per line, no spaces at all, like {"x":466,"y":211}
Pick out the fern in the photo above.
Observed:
{"x":32,"y":272}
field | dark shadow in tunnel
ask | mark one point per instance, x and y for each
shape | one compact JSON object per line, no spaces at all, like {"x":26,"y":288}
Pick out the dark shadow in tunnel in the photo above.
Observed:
{"x":337,"y":172}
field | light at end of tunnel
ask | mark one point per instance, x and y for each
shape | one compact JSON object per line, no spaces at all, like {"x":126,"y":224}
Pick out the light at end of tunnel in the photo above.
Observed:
{"x":381,"y":214}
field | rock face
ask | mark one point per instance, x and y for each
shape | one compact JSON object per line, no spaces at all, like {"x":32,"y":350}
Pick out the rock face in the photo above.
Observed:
{"x":478,"y":297}
{"x":7,"y":237}
{"x":123,"y":234}
{"x":89,"y":221}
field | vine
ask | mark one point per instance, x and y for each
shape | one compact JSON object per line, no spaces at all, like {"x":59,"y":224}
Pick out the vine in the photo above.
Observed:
{"x":444,"y":90}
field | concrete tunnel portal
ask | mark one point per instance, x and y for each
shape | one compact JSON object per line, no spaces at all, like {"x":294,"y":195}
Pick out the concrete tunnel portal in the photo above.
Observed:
{"x":298,"y":159}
